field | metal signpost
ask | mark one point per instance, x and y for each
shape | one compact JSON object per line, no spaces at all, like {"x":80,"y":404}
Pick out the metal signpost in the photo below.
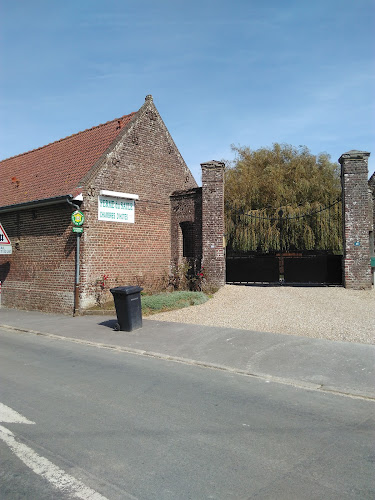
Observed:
{"x":77,"y":219}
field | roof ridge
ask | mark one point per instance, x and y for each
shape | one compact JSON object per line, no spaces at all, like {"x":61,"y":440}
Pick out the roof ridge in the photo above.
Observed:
{"x":69,"y":136}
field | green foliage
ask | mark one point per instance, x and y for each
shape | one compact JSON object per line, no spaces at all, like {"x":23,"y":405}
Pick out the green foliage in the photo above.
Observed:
{"x":170,"y":301}
{"x":166,"y":301}
{"x":263,"y":230}
{"x":261,"y":182}
{"x":279,"y":176}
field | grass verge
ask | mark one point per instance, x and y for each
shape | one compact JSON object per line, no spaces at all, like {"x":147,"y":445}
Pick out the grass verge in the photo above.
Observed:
{"x":162,"y":302}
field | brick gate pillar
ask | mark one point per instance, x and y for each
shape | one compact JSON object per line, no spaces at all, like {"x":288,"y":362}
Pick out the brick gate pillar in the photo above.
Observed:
{"x":356,"y":220}
{"x":213,"y":256}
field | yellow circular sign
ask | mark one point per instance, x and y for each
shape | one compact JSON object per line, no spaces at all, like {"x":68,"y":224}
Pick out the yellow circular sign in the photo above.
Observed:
{"x":78,"y":218}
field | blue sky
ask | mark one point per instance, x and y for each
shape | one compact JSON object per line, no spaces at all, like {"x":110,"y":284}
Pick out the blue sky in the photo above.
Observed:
{"x":243,"y":72}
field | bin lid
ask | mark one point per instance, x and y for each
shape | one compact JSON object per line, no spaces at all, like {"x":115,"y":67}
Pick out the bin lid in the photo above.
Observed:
{"x":126,"y":290}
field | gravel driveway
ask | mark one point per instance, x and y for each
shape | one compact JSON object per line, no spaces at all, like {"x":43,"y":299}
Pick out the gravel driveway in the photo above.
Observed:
{"x":332,"y":313}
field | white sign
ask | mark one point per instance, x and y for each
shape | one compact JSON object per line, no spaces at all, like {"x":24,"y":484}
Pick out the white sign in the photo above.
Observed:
{"x":5,"y":244}
{"x":115,"y":209}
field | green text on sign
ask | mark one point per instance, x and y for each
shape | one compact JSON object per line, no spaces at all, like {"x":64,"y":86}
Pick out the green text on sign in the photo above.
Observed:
{"x":113,"y":209}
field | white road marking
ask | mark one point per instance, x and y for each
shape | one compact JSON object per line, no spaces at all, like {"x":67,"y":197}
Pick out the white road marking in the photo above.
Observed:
{"x":11,"y":416}
{"x":58,"y":478}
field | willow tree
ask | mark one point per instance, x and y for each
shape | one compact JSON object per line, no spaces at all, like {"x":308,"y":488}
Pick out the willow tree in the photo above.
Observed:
{"x":275,"y":199}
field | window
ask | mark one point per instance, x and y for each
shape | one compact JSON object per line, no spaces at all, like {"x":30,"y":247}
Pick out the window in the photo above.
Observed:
{"x":187,"y":229}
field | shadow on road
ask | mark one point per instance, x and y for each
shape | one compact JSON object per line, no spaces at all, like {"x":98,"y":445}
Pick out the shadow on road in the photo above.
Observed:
{"x":110,"y":323}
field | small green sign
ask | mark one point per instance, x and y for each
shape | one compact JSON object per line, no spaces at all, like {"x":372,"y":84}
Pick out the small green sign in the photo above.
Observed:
{"x":77,"y":229}
{"x":78,"y":218}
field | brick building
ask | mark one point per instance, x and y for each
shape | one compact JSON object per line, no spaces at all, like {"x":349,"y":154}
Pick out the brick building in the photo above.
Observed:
{"x":121,"y":175}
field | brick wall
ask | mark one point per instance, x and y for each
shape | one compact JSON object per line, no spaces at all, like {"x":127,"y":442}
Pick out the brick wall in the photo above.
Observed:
{"x":371,"y":184}
{"x":186,"y":208}
{"x":213,"y":228}
{"x":145,"y":162}
{"x":357,"y":222}
{"x":39,"y":274}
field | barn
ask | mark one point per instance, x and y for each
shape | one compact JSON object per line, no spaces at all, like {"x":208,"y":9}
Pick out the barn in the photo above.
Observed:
{"x":138,"y":212}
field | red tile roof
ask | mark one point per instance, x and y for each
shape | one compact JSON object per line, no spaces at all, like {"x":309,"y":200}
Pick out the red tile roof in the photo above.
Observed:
{"x":57,"y":168}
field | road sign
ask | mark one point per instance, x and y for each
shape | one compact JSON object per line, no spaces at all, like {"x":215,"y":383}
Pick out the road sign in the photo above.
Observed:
{"x":77,"y":229}
{"x":5,"y":244}
{"x":78,"y":218}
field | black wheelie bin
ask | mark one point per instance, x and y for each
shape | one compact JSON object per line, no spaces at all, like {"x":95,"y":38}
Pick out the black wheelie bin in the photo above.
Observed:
{"x":128,"y":307}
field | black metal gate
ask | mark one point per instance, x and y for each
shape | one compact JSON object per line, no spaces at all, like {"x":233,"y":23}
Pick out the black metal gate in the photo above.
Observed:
{"x":285,"y":246}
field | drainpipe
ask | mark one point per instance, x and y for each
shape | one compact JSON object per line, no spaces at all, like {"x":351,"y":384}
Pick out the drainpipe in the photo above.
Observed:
{"x":76,"y":280}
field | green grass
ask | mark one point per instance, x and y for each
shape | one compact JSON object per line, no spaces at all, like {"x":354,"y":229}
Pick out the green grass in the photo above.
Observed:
{"x":161,"y":302}
{"x":152,"y":304}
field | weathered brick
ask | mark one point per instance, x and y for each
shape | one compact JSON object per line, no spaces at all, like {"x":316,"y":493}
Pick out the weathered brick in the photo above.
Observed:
{"x":357,"y":220}
{"x":213,"y":228}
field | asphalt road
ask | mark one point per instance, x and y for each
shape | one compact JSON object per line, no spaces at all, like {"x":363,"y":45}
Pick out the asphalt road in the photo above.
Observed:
{"x":117,"y":425}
